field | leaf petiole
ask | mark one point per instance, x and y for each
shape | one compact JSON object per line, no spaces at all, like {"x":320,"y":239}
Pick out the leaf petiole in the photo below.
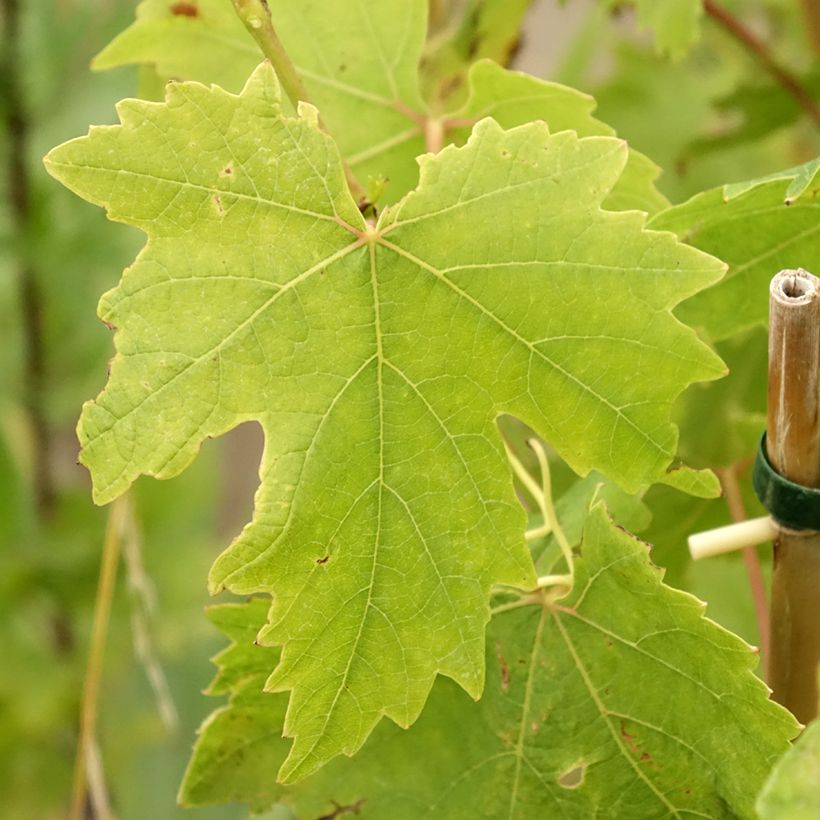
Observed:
{"x":255,"y":15}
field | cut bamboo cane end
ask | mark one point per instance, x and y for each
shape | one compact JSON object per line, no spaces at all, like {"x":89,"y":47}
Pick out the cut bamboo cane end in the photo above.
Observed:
{"x":732,"y":537}
{"x":794,"y":287}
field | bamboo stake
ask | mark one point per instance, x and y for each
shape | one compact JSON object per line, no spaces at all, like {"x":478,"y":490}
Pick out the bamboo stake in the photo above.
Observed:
{"x":793,"y":448}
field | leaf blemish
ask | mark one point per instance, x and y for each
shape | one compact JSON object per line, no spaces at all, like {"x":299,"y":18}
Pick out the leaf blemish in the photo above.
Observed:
{"x":183,"y":9}
{"x":505,"y":670}
{"x":573,"y":778}
{"x":323,"y":560}
{"x":217,"y":200}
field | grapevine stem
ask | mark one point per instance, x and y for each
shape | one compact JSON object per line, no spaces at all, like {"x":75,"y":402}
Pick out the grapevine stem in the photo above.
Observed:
{"x":749,"y":40}
{"x":734,"y":501}
{"x":99,"y":632}
{"x":255,"y":15}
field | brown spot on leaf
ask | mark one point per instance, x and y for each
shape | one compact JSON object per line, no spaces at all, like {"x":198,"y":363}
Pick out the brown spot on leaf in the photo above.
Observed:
{"x":183,"y":9}
{"x":505,"y":670}
{"x":573,"y":778}
{"x":218,"y":202}
{"x":323,"y":560}
{"x":227,"y":170}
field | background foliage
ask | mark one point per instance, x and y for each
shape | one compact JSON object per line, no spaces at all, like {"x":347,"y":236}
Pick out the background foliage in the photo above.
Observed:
{"x":686,"y":94}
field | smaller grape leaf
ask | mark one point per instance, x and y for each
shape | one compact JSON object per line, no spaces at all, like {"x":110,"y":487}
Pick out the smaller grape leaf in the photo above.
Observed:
{"x":241,"y":745}
{"x":513,"y":98}
{"x":676,"y":23}
{"x":792,"y":791}
{"x":753,"y":111}
{"x":619,"y":700}
{"x":186,"y":40}
{"x":758,"y":227}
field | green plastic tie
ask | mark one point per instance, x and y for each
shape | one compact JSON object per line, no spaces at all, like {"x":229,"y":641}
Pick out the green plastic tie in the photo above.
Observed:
{"x":790,"y":504}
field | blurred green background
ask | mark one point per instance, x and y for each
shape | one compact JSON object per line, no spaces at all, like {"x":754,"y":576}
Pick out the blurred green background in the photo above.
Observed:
{"x":58,"y":255}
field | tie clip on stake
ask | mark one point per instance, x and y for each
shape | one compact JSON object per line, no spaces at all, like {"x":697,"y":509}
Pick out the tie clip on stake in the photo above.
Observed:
{"x":787,"y":482}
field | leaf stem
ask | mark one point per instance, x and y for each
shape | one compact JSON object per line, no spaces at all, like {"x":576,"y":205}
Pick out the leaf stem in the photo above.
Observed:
{"x":524,"y":600}
{"x":545,"y":581}
{"x":749,"y":40}
{"x":256,"y":17}
{"x":255,"y":14}
{"x":734,"y":501}
{"x":549,"y":510}
{"x":99,"y":632}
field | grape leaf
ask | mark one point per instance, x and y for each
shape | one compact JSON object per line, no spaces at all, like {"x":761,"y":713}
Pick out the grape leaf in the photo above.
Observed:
{"x":192,"y":40}
{"x":759,"y":227}
{"x":376,"y":359}
{"x":753,"y":111}
{"x":791,"y":792}
{"x":370,"y":100}
{"x":513,"y":98}
{"x":619,"y":700}
{"x":241,"y":744}
{"x":676,"y":23}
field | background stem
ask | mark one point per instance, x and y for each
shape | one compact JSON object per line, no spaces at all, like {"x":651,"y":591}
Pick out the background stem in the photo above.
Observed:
{"x":30,"y":293}
{"x":734,"y":501}
{"x":811,"y":14}
{"x":749,"y":40}
{"x":99,"y":633}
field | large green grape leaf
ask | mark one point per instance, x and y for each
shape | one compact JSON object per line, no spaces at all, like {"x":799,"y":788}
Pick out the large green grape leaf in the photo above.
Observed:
{"x":369,"y":93}
{"x":620,"y":700}
{"x":759,"y":227}
{"x":376,"y":358}
{"x":791,"y":792}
